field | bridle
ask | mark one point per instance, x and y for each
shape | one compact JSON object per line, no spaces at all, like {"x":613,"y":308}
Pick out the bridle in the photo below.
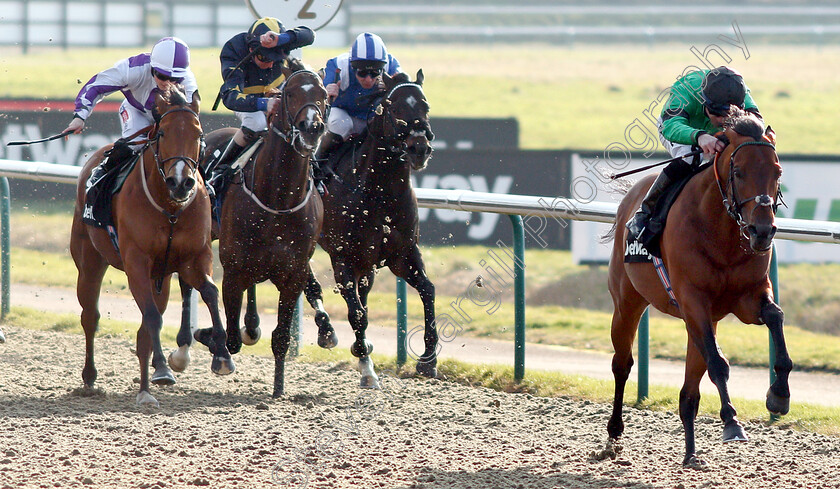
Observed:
{"x":733,"y":206}
{"x":397,"y":141}
{"x":292,"y":134}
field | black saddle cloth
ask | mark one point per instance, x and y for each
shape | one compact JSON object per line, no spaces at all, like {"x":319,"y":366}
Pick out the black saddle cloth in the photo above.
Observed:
{"x":324,"y":171}
{"x":100,"y":194}
{"x":648,"y":243}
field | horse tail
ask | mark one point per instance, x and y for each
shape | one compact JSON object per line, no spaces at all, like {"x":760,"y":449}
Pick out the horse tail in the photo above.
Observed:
{"x":608,"y":236}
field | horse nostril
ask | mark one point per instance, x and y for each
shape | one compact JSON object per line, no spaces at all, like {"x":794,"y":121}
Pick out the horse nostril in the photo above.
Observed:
{"x":189,"y":183}
{"x":171,"y":183}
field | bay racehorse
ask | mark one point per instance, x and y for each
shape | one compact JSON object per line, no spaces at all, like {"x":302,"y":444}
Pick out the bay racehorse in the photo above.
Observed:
{"x":716,"y":248}
{"x":370,"y":214}
{"x":272,"y":214}
{"x":162,"y":222}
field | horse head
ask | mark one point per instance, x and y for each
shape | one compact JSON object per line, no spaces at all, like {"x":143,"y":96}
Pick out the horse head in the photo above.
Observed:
{"x":751,"y":171}
{"x":299,"y":117}
{"x":402,"y":118}
{"x":178,"y":141}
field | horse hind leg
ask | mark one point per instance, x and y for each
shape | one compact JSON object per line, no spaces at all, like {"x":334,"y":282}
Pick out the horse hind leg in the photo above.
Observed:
{"x":91,"y":269}
{"x":625,"y":322}
{"x":179,"y":359}
{"x":778,"y":396}
{"x":251,"y":333}
{"x":315,"y":297}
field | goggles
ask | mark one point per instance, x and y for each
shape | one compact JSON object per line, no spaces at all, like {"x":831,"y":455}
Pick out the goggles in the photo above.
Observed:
{"x":160,"y":76}
{"x":368,"y":73}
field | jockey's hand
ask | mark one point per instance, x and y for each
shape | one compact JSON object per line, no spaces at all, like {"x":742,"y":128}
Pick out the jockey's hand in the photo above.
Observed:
{"x":269,"y":39}
{"x":75,"y":126}
{"x":710,"y":144}
{"x":272,"y":92}
{"x":332,"y":90}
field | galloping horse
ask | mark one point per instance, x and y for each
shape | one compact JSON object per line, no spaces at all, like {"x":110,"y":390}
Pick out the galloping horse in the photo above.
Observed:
{"x":162,"y":221}
{"x":272,"y":214}
{"x":370,"y":214}
{"x":716,"y":247}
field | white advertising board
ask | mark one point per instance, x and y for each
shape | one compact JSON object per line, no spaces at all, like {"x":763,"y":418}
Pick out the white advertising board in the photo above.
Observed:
{"x":809,"y":187}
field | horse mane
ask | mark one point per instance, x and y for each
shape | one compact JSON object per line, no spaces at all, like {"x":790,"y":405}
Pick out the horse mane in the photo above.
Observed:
{"x":295,"y":64}
{"x":401,"y":77}
{"x":745,"y":123}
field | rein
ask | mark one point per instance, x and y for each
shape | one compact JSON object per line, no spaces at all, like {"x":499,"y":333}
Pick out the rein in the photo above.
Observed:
{"x":399,"y":146}
{"x":291,"y":137}
{"x":733,"y":206}
{"x":171,"y":217}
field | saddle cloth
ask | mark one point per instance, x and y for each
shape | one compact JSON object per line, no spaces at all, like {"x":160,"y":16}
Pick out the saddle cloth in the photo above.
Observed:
{"x":99,"y":194}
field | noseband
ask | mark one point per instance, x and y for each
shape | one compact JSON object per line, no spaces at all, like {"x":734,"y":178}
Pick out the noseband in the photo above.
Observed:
{"x":156,"y":140}
{"x":396,"y":143}
{"x":733,"y":206}
{"x":292,"y":134}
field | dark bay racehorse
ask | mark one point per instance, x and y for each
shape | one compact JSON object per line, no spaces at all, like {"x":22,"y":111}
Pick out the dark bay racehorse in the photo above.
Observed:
{"x":162,"y":220}
{"x":370,"y":214}
{"x":272,"y":214}
{"x":716,"y":248}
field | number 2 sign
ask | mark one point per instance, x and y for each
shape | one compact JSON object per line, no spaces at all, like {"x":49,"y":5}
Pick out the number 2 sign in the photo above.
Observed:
{"x":310,"y":13}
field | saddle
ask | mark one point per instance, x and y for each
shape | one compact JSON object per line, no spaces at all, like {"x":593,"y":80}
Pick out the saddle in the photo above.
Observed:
{"x":325,"y":170}
{"x":100,"y":194}
{"x":640,"y":250}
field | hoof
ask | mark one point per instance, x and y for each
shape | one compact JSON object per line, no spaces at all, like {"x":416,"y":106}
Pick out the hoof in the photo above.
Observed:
{"x":777,"y":404}
{"x":205,"y":337}
{"x":692,"y":462}
{"x":734,"y":432}
{"x":163,"y":376}
{"x":369,"y":382}
{"x":222,"y":366}
{"x":247,"y":339}
{"x":427,"y":369}
{"x":145,"y":399}
{"x":328,"y":340}
{"x":2,"y":337}
{"x":179,"y":359}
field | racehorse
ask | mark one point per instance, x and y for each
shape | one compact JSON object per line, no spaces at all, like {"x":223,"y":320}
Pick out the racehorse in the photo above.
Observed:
{"x":162,"y":222}
{"x":370,"y":214}
{"x":272,"y":213}
{"x":716,"y":248}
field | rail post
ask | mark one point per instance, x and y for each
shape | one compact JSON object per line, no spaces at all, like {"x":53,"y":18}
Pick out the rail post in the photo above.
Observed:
{"x":5,"y":205}
{"x":644,"y":355}
{"x":519,"y":297}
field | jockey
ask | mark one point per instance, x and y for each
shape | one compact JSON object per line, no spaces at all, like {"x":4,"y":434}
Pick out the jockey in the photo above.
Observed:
{"x":349,"y":78}
{"x":698,"y":105}
{"x":139,"y":78}
{"x":251,"y":70}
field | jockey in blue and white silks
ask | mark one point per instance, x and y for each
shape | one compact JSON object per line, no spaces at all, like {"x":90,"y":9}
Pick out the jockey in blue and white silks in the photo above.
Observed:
{"x":349,"y":78}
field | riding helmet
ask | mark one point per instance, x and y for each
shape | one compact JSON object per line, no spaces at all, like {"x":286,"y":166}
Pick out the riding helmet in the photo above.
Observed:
{"x":368,"y":52}
{"x":723,"y":87}
{"x":260,"y":27}
{"x":171,"y":57}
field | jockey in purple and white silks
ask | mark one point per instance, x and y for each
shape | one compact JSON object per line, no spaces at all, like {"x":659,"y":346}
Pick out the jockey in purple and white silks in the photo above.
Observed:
{"x":139,"y":78}
{"x":349,"y":78}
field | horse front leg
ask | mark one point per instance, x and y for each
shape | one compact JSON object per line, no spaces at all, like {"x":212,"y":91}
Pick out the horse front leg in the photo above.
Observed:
{"x":148,"y":337}
{"x":702,"y":333}
{"x":357,"y":316}
{"x":413,"y":272}
{"x":315,"y":297}
{"x":280,"y":338}
{"x":215,"y":338}
{"x":695,"y":367}
{"x":778,"y":396}
{"x":179,"y":359}
{"x":251,"y":334}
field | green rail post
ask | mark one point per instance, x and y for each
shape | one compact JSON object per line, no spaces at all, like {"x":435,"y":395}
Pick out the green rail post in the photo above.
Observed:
{"x":774,"y":279}
{"x":519,"y":297}
{"x":402,"y":322}
{"x":5,"y":200}
{"x":644,"y":355}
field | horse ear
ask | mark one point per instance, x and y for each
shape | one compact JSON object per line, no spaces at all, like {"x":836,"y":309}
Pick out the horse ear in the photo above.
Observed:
{"x":287,"y":72}
{"x":419,"y":80}
{"x":770,"y":135}
{"x":196,"y":103}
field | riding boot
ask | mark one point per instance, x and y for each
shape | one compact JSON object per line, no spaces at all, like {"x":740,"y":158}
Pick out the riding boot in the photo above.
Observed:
{"x":114,"y":157}
{"x":637,"y":224}
{"x":322,"y":154}
{"x":222,"y":170}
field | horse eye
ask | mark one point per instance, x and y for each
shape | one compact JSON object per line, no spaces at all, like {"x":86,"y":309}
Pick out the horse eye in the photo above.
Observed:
{"x":737,"y":172}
